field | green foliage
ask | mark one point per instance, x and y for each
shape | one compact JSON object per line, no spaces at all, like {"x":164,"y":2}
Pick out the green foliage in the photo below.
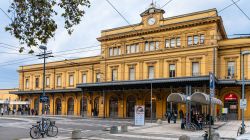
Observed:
{"x":33,"y":20}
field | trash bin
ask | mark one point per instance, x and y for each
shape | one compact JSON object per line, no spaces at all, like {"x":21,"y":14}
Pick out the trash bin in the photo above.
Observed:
{"x":114,"y":130}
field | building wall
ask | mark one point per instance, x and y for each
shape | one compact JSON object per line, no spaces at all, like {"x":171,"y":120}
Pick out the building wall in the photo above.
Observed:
{"x":164,"y":29}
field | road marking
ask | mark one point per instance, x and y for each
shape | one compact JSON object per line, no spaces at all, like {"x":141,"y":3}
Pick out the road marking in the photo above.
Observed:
{"x":144,"y":137}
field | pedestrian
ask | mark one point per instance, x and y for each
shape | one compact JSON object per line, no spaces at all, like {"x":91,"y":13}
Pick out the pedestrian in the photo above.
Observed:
{"x":181,"y":114}
{"x":169,"y":115}
{"x":36,"y":112}
{"x":183,"y":121}
{"x":1,"y":111}
{"x":175,"y":116}
{"x":32,"y":112}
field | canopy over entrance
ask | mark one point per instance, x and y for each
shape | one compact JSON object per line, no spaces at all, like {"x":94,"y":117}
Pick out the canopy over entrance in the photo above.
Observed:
{"x":177,"y":97}
{"x":203,"y":98}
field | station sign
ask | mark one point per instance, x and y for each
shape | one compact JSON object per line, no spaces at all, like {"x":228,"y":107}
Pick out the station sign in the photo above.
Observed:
{"x":211,"y":84}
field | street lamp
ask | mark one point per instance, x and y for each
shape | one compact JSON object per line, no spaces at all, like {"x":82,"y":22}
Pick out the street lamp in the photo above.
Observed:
{"x":44,"y":48}
{"x":243,"y":85}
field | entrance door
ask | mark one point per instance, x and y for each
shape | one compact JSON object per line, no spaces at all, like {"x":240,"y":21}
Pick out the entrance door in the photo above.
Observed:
{"x":58,"y":106}
{"x":95,"y":111}
{"x":36,"y":106}
{"x":231,"y":102}
{"x":70,"y":106}
{"x":131,"y":101}
{"x":148,"y":107}
{"x":83,"y":109}
{"x":113,"y":107}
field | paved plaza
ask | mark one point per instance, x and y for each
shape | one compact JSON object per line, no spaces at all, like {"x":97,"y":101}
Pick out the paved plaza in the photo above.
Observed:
{"x":18,"y":127}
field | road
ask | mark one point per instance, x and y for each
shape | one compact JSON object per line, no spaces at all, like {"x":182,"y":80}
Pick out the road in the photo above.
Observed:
{"x":12,"y":128}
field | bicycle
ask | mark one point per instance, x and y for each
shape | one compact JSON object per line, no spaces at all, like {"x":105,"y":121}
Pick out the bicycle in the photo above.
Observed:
{"x":241,"y":130}
{"x":192,"y":127}
{"x":48,"y":128}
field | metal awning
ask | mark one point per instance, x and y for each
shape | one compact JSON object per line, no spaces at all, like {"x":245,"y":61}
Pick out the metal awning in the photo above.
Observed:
{"x":142,"y":84}
{"x":47,"y":91}
{"x":177,"y":97}
{"x":203,"y":98}
{"x":20,"y":102}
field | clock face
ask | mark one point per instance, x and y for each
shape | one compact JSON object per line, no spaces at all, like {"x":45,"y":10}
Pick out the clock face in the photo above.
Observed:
{"x":151,"y":21}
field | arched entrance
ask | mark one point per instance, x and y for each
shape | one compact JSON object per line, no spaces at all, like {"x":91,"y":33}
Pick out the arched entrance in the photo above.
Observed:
{"x":36,"y":106}
{"x":83,"y":109}
{"x":58,"y":106}
{"x":95,"y":110}
{"x":131,"y":101}
{"x":231,"y":103}
{"x":71,"y":106}
{"x":148,"y":107}
{"x":113,"y":107}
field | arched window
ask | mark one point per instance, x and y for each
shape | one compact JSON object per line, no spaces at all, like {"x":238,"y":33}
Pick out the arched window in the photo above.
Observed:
{"x":83,"y":106}
{"x":131,"y":102}
{"x":70,"y":106}
{"x":113,"y":107}
{"x":148,"y":107}
{"x":58,"y":106}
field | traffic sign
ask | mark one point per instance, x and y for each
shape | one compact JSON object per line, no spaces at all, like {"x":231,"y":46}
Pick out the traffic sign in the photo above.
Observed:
{"x":243,"y":103}
{"x":211,"y":84}
{"x":44,"y":99}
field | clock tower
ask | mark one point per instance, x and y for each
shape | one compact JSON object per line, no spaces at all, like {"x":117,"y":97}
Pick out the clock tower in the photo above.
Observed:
{"x":152,"y":16}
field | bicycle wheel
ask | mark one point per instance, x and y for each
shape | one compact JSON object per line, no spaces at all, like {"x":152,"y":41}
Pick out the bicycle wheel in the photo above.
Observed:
{"x":239,"y":131}
{"x":35,"y":132}
{"x":52,"y":131}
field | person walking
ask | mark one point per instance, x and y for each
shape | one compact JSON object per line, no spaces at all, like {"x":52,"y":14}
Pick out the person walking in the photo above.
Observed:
{"x":169,"y":115}
{"x":181,"y":113}
{"x":1,"y":111}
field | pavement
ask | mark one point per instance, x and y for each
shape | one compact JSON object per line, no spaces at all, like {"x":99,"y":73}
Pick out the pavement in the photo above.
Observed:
{"x":92,"y":129}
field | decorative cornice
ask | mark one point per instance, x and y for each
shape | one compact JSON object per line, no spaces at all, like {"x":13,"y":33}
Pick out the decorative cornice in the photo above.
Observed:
{"x":162,"y":28}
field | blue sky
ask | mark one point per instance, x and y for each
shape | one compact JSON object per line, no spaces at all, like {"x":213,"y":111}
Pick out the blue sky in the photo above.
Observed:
{"x":101,"y":16}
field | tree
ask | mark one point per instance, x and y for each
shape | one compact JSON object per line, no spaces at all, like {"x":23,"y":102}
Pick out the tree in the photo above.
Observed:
{"x":33,"y":23}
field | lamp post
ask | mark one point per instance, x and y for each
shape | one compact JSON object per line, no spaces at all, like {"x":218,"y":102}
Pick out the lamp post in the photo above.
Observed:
{"x":243,"y":85}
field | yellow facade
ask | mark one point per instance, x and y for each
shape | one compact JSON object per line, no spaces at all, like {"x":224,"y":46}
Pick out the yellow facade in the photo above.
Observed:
{"x":140,"y":52}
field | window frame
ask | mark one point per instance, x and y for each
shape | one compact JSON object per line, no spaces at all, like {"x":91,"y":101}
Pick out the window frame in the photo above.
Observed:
{"x":71,"y":76}
{"x":27,"y":83}
{"x":171,"y":74}
{"x":59,"y":80}
{"x":190,"y":42}
{"x":98,"y":77}
{"x":47,"y":83}
{"x":114,"y":75}
{"x":37,"y":82}
{"x":84,"y":80}
{"x":198,"y":68}
{"x":131,"y":68}
{"x":232,"y":68}
{"x":149,"y":74}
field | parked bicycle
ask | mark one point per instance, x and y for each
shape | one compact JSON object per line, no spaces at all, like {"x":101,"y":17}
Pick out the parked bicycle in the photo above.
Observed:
{"x":241,"y":130}
{"x":46,"y":126}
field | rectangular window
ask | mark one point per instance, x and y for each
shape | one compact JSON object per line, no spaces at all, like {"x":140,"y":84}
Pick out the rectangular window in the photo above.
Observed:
{"x":110,"y":51}
{"x":137,"y":48}
{"x":178,"y":41}
{"x":151,"y":72}
{"x":133,"y":48}
{"x":167,"y":45}
{"x":151,"y":46}
{"x":195,"y":69}
{"x":230,"y":69}
{"x":119,"y":51}
{"x":196,"y":40}
{"x":37,"y":83}
{"x":131,"y":73}
{"x":114,"y":75}
{"x":116,"y":51}
{"x":172,"y":43}
{"x":84,"y":78}
{"x":71,"y":80}
{"x":98,"y":77}
{"x":128,"y":49}
{"x":172,"y":70}
{"x":190,"y":40}
{"x":59,"y":81}
{"x":146,"y":46}
{"x":27,"y":84}
{"x":47,"y":81}
{"x":202,"y":39}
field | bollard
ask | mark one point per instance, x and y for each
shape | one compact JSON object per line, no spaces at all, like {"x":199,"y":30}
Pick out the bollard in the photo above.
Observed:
{"x":184,"y":137}
{"x":113,"y":130}
{"x":215,"y":136}
{"x":124,"y":128}
{"x":76,"y":134}
{"x":159,"y":121}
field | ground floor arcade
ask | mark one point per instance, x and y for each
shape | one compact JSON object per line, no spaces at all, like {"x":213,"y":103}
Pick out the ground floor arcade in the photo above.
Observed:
{"x":119,"y":103}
